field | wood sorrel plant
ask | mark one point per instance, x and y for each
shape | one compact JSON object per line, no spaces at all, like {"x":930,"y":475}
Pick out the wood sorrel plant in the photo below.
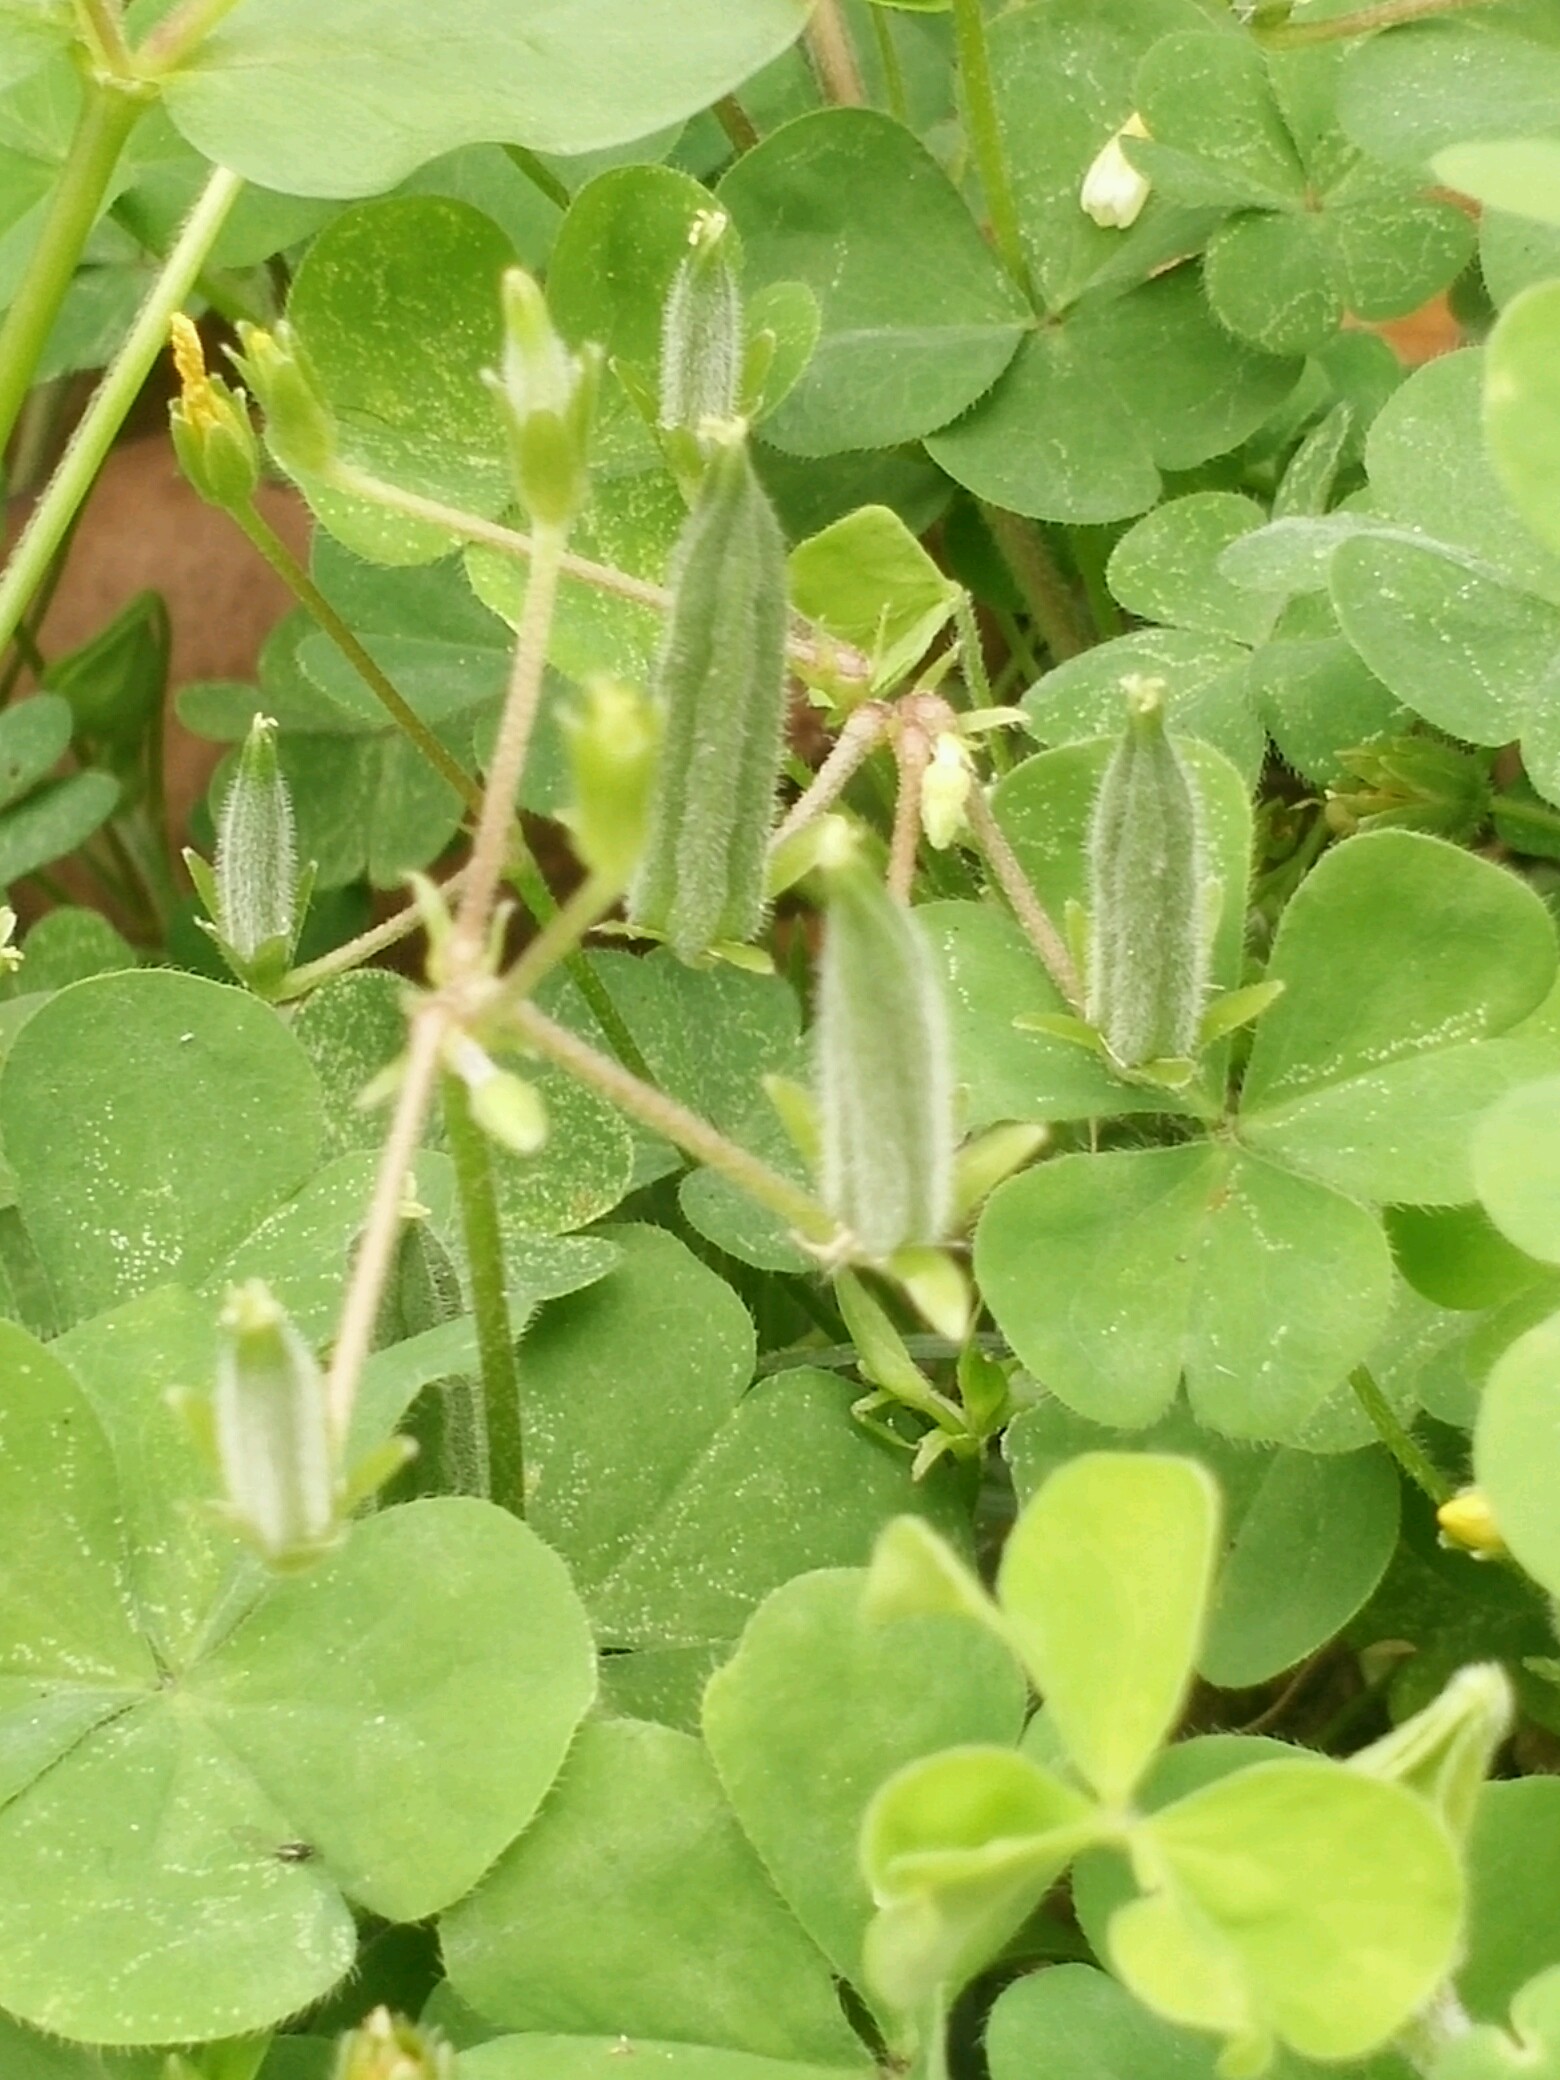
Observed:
{"x":952,"y":1177}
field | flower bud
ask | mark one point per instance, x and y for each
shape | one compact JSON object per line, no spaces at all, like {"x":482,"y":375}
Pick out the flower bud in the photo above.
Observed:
{"x":275,"y":1453}
{"x":702,"y":331}
{"x":1148,"y":951}
{"x":256,"y":896}
{"x":547,"y":396}
{"x":1113,"y":191}
{"x":507,"y":1108}
{"x":885,"y":1083}
{"x":720,"y":683}
{"x":212,"y":434}
{"x":11,"y":957}
{"x":299,"y":428}
{"x":386,"y":2048}
{"x":612,"y":737}
{"x":1468,"y":1522}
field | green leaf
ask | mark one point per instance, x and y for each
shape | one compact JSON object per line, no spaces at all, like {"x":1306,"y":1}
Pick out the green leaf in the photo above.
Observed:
{"x":151,"y":1120}
{"x":1514,"y":1156}
{"x":958,"y":1848}
{"x":350,"y":1029}
{"x":52,"y":821}
{"x":1520,"y":174}
{"x":1166,"y":568}
{"x":148,"y":1901}
{"x":1306,"y":1538}
{"x":1522,"y":407}
{"x":1207,"y":681}
{"x":1105,"y":1583}
{"x":1096,"y":405}
{"x":637,"y":1858}
{"x":34,"y":735}
{"x":29,"y":2056}
{"x":399,"y":348}
{"x":1271,"y":279}
{"x":1075,"y":2023}
{"x":1402,"y":956}
{"x":814,"y":1675}
{"x":1207,"y":99}
{"x":1516,"y":1455}
{"x":672,"y":1492}
{"x":1112,"y":1275}
{"x":1301,"y":1902}
{"x":348,"y":104}
{"x":1408,"y":96}
{"x":866,"y":580}
{"x":1514,"y":1892}
{"x":31,"y":31}
{"x":918,"y":318}
{"x":1531,"y":2045}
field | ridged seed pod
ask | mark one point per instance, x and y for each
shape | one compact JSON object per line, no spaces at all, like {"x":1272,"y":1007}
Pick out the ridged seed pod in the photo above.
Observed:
{"x":257,"y":859}
{"x":1148,"y":951}
{"x":885,"y":1081}
{"x":720,"y":681}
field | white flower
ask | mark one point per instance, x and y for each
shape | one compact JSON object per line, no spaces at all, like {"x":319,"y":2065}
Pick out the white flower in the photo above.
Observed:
{"x":1113,"y":191}
{"x":10,"y":956}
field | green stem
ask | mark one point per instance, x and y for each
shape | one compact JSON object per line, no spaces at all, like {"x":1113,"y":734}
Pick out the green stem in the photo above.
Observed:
{"x":111,"y":401}
{"x":888,"y":57}
{"x":559,"y":937}
{"x":109,"y":112}
{"x":395,"y":704}
{"x":479,"y":1222}
{"x":1407,"y":1451}
{"x":1285,"y":35}
{"x":1045,"y":590}
{"x":673,"y":1122}
{"x":1091,"y":557}
{"x":103,"y":33}
{"x":541,"y":177}
{"x":1039,"y":928}
{"x":985,"y":128}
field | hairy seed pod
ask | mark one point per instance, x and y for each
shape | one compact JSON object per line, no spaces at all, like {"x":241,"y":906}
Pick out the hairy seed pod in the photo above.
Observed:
{"x":885,"y":1082}
{"x":720,"y":681}
{"x":257,"y":861}
{"x":1148,"y":951}
{"x":272,"y":1431}
{"x":702,"y":330}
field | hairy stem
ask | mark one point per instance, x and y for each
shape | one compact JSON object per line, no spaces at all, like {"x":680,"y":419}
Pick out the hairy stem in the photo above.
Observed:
{"x":479,"y":1221}
{"x":1404,"y":1447}
{"x":912,"y":755}
{"x":674,"y":1122}
{"x":371,"y":1265}
{"x":985,"y":132}
{"x":805,"y":653}
{"x":354,"y":952}
{"x":490,"y":848}
{"x":260,"y":532}
{"x":834,"y":59}
{"x":103,"y":32}
{"x":111,"y":401}
{"x":738,"y":125}
{"x":180,"y":34}
{"x":1044,"y":589}
{"x":864,"y":730}
{"x":1035,"y":919}
{"x":109,"y":112}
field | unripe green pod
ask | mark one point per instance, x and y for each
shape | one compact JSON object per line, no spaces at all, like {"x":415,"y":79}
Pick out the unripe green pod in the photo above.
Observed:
{"x":1148,"y":943}
{"x":883,"y":1064}
{"x":612,"y":736}
{"x":720,"y":681}
{"x":272,"y":1432}
{"x":702,"y":331}
{"x":257,"y":860}
{"x":547,"y":398}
